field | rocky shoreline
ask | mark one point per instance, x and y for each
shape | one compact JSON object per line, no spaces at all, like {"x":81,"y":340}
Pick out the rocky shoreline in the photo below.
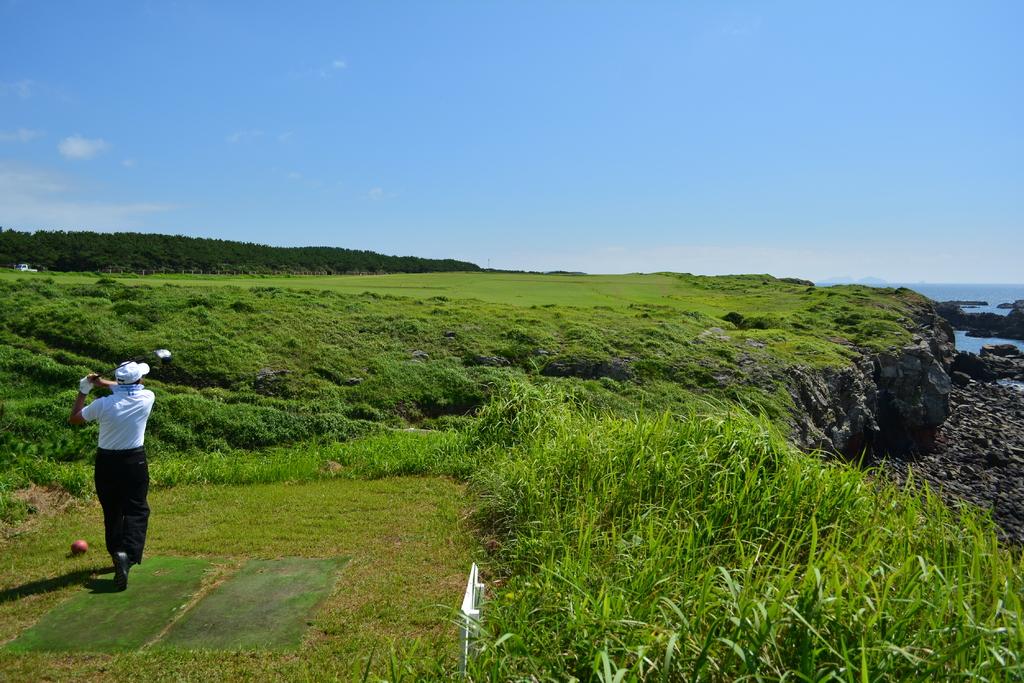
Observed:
{"x":978,"y":452}
{"x":1010,"y":326}
{"x":979,"y":455}
{"x":954,"y":420}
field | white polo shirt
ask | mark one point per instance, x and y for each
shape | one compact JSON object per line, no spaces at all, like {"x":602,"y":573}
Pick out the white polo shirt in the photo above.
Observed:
{"x":122,"y":416}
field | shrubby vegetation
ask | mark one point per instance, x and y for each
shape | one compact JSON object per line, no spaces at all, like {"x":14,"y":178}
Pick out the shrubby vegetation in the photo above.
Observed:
{"x":137,"y":252}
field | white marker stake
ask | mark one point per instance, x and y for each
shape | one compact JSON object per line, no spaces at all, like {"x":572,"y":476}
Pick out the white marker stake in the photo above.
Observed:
{"x":470,"y":617}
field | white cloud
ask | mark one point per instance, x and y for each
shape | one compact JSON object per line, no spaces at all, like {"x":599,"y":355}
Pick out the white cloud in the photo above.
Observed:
{"x":377,"y":194}
{"x":244,"y":136}
{"x":294,"y":175}
{"x":324,"y":71}
{"x":285,"y":136}
{"x":128,"y":163}
{"x":19,"y":135}
{"x":35,"y":199}
{"x":77,"y":147}
{"x":23,"y":88}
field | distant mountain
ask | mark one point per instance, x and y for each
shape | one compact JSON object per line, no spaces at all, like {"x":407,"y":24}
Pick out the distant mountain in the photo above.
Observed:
{"x":846,"y":280}
{"x":133,"y":251}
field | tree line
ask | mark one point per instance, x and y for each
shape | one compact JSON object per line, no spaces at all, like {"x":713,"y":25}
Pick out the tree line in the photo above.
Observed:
{"x":138,"y":252}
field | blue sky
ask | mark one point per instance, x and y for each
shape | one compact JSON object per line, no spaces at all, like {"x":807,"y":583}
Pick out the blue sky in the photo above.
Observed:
{"x":797,"y":138}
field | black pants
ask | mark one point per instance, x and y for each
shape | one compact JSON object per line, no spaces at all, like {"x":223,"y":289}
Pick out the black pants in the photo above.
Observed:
{"x":122,"y":482}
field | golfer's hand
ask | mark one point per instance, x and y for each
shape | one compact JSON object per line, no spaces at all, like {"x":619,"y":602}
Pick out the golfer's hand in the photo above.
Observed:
{"x":85,"y":385}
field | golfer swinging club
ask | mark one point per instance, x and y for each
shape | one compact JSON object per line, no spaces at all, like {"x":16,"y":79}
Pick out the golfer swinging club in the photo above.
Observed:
{"x":122,"y":475}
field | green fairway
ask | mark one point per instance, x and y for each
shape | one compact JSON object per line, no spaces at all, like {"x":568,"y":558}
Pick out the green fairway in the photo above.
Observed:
{"x":522,"y":289}
{"x":267,"y":604}
{"x":99,"y":619}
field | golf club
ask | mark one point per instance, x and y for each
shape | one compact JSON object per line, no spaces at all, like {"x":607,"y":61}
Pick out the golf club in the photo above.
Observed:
{"x":163,"y":355}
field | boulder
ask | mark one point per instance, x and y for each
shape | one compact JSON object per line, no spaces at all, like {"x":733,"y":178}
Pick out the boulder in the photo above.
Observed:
{"x":267,"y":381}
{"x":585,"y":368}
{"x":1002,"y":350}
{"x":913,"y":398}
{"x":420,"y":355}
{"x":974,"y":367}
{"x":836,"y":408}
{"x":714,"y":333}
{"x":491,"y":361}
{"x":960,"y":379}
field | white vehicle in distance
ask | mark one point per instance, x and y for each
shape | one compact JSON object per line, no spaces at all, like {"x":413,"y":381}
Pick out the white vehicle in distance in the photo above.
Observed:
{"x":23,"y":267}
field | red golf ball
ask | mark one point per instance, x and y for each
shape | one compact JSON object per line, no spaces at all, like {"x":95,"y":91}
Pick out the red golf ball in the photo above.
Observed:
{"x":79,"y":547}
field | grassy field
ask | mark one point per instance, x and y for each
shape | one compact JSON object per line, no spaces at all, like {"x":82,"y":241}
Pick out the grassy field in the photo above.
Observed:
{"x":650,"y":525}
{"x":264,"y":367}
{"x":409,"y":551}
{"x":713,"y":296}
{"x":503,"y":288}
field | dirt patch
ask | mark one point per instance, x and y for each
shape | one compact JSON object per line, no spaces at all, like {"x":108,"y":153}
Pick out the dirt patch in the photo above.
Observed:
{"x":40,"y":502}
{"x":45,"y":501}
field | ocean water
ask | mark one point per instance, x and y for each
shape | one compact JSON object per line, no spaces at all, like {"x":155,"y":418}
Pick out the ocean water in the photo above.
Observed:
{"x":993,"y":294}
{"x":974,"y":344}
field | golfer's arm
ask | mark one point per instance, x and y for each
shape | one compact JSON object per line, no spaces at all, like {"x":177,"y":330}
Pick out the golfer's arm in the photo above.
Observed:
{"x":76,"y":410}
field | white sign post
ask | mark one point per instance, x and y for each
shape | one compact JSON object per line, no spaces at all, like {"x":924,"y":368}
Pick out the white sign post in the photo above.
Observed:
{"x":469,"y":615}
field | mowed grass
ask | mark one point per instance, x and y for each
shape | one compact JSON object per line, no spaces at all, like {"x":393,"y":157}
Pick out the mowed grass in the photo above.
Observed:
{"x":506,"y":288}
{"x":396,"y":596}
{"x":714,"y":296}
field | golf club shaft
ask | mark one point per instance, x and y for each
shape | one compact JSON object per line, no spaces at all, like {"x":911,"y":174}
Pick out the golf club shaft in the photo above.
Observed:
{"x":161,"y":354}
{"x":136,"y":359}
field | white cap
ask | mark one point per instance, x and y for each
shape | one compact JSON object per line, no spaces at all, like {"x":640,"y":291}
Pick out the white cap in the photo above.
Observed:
{"x":131,"y":372}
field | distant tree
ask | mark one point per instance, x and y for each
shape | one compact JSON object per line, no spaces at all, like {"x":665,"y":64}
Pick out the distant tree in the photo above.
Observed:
{"x":93,"y":251}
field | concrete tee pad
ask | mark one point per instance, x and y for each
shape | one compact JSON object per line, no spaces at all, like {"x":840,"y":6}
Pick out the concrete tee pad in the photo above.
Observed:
{"x":266,"y":604}
{"x":102,"y":620}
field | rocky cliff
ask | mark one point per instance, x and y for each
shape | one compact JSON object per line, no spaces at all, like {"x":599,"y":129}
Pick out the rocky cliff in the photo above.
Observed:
{"x":884,"y":403}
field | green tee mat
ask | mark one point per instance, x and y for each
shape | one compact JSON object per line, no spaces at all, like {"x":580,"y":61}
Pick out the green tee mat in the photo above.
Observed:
{"x":100,"y":619}
{"x":266,"y":604}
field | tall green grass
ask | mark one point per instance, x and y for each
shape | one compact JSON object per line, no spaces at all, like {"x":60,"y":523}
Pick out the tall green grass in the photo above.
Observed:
{"x":702,"y":547}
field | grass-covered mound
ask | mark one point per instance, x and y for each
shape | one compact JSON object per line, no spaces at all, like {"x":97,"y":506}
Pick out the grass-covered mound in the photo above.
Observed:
{"x":702,"y":547}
